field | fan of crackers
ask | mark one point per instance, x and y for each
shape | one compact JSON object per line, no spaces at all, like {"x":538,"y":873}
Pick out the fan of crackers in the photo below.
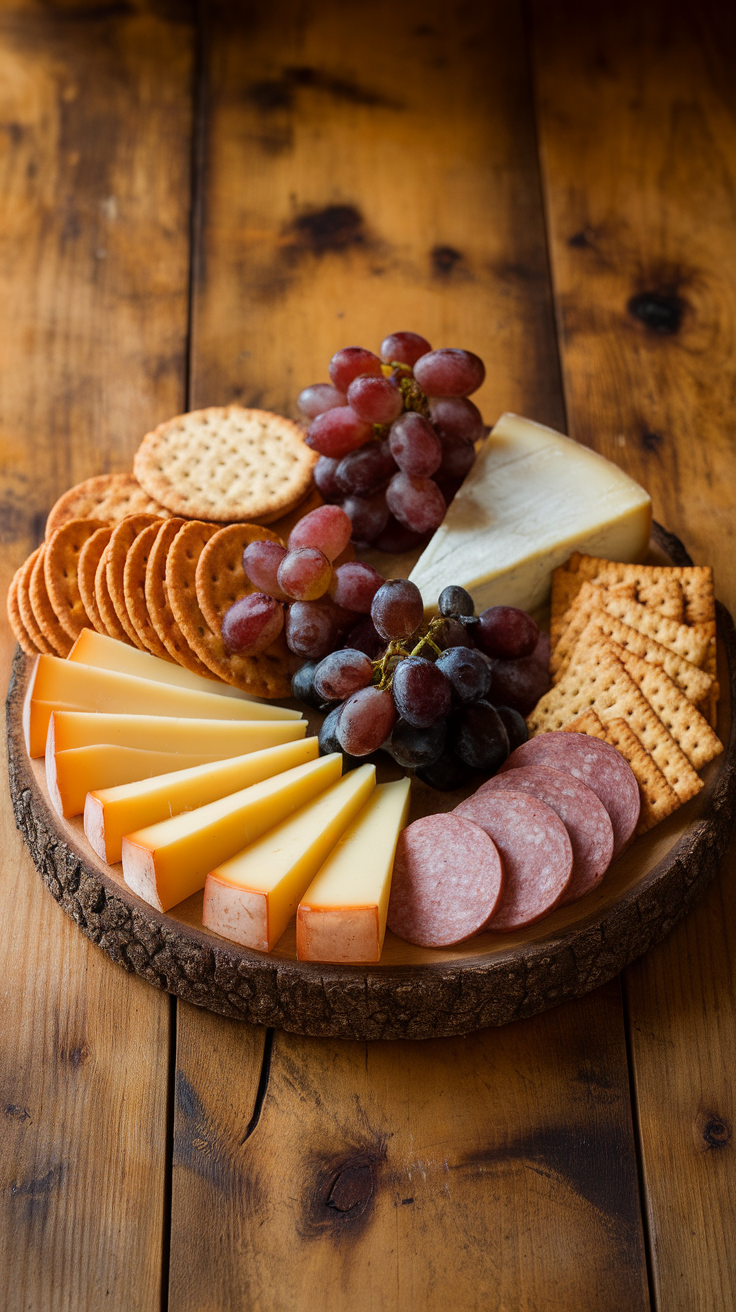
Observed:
{"x":154,"y":558}
{"x":633,"y":661}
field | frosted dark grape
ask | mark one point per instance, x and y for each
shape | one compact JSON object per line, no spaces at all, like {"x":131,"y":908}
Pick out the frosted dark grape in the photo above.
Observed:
{"x":302,"y":686}
{"x":368,"y":516}
{"x":454,"y":634}
{"x":351,"y":361}
{"x":342,"y":673}
{"x":414,"y":748}
{"x":477,"y":735}
{"x":404,"y":348}
{"x":252,"y":623}
{"x":454,"y":600}
{"x":445,"y":774}
{"x":354,"y":586}
{"x":329,"y":742}
{"x":397,"y":609}
{"x":506,"y":632}
{"x":397,"y":538}
{"x":313,"y":628}
{"x":327,"y":528}
{"x":468,"y":672}
{"x":337,"y":431}
{"x":515,"y":726}
{"x":415,"y":446}
{"x":449,"y":372}
{"x":421,"y":691}
{"x":261,"y":562}
{"x":324,"y":479}
{"x":455,"y":418}
{"x":519,"y":684}
{"x":458,"y":458}
{"x":416,"y":502}
{"x":363,"y":472}
{"x":366,"y":720}
{"x":304,"y":574}
{"x":376,"y":400}
{"x":365,"y":637}
{"x":318,"y":398}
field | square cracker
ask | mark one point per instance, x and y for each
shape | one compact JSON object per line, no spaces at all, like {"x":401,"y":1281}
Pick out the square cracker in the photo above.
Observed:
{"x":684,"y":722}
{"x":664,"y":595}
{"x":693,"y":682}
{"x":658,"y":799}
{"x":690,"y":641}
{"x":696,"y":581}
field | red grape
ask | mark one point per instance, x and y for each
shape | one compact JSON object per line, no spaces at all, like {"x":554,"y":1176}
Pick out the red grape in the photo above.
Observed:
{"x":366,"y":470}
{"x":454,"y":634}
{"x":364,"y":637}
{"x":366,"y":721}
{"x":313,"y":627}
{"x":337,"y":431}
{"x":397,"y":538}
{"x":305,"y":574}
{"x":456,"y":417}
{"x":324,"y":478}
{"x":355,"y":585}
{"x":375,"y":400}
{"x":469,"y":672}
{"x":318,"y":398}
{"x":341,"y":674}
{"x":416,"y":502}
{"x":346,"y":364}
{"x":478,"y":736}
{"x":506,"y":632}
{"x":519,"y":684}
{"x":404,"y":348}
{"x":261,"y":562}
{"x":327,"y":528}
{"x":415,"y":446}
{"x":397,"y":609}
{"x":252,"y":623}
{"x":515,"y":726}
{"x":458,"y":458}
{"x":449,"y":372}
{"x":422,"y":692}
{"x":368,"y":515}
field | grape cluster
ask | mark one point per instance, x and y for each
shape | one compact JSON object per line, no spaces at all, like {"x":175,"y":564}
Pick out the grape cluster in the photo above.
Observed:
{"x":445,"y":704}
{"x":395,"y":435}
{"x":302,"y":593}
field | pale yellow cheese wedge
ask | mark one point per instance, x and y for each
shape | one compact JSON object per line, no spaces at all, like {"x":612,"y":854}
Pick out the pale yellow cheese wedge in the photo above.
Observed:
{"x":111,"y":813}
{"x":342,"y":915}
{"x":70,"y":775}
{"x":252,"y":898}
{"x":105,"y":653}
{"x":167,"y":862}
{"x":163,"y":733}
{"x":57,"y":684}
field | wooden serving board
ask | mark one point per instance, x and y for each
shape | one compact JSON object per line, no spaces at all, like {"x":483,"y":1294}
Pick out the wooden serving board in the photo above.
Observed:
{"x":414,"y":992}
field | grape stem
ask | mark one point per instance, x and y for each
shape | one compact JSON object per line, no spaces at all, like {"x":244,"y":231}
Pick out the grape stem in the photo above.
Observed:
{"x":385,"y":668}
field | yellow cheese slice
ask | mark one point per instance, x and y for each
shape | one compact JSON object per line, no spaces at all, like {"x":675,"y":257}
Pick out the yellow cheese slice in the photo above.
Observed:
{"x":111,"y":813}
{"x":105,"y":653}
{"x":72,"y":774}
{"x":252,"y":898}
{"x":167,"y":862}
{"x":163,"y":733}
{"x":342,"y":915}
{"x":67,"y":685}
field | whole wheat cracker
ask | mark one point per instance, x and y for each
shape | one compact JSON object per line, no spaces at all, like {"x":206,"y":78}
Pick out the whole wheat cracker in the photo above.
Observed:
{"x":106,"y":610}
{"x":107,"y":497}
{"x":221,"y":578}
{"x":227,"y":464}
{"x":658,"y":799}
{"x":134,"y":591}
{"x":159,"y":606}
{"x":24,"y":639}
{"x":89,"y":559}
{"x":267,"y":674}
{"x":693,"y":682}
{"x":44,"y":611}
{"x":123,"y":536}
{"x":61,"y":572}
{"x":684,"y":722}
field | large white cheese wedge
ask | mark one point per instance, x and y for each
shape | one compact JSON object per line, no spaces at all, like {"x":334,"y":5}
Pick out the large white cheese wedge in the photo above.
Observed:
{"x":251,"y":898}
{"x":93,"y":648}
{"x":110,"y":813}
{"x":342,"y":915}
{"x":167,"y":862}
{"x":530,"y":500}
{"x":67,"y":685}
{"x":70,"y":775}
{"x":163,"y":733}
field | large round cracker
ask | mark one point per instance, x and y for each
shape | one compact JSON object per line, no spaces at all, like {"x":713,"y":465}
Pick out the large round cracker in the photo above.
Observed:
{"x":61,"y":572}
{"x":266,"y":675}
{"x":25,"y":641}
{"x":24,"y":605}
{"x":226,"y":464}
{"x":123,"y":536}
{"x":134,"y":589}
{"x":44,"y":611}
{"x":107,"y":497}
{"x":104,"y":602}
{"x":158,"y":605}
{"x":89,"y":559}
{"x":221,"y":578}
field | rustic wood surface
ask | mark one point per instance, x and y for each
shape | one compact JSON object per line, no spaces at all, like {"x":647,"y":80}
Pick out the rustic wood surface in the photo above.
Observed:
{"x":359,"y":168}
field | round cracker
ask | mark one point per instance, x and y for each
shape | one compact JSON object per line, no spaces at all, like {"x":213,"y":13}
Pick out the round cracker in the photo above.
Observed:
{"x":226,"y":464}
{"x":123,"y":536}
{"x":61,"y":572}
{"x":89,"y":559}
{"x":25,"y":641}
{"x":44,"y":612}
{"x":107,"y":497}
{"x":134,"y":589}
{"x":112,"y":624}
{"x":266,"y":675}
{"x":157,"y":602}
{"x":221,"y":578}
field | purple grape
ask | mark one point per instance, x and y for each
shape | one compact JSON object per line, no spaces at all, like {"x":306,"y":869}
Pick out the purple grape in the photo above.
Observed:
{"x":363,"y":472}
{"x":468,"y":672}
{"x":342,"y":673}
{"x":448,"y":372}
{"x":515,"y":726}
{"x":364,"y":637}
{"x":456,"y":419}
{"x":313,"y":628}
{"x":366,"y":720}
{"x":458,"y":458}
{"x":478,"y":736}
{"x":329,"y":741}
{"x":506,"y":632}
{"x":455,"y":601}
{"x":324,"y":478}
{"x":519,"y":684}
{"x":396,"y":538}
{"x":421,"y":691}
{"x":454,"y":634}
{"x":397,"y":609}
{"x":351,"y":361}
{"x":376,"y":400}
{"x":449,"y":487}
{"x":355,"y":585}
{"x":414,"y":748}
{"x":368,"y":516}
{"x":415,"y":446}
{"x":252,"y":623}
{"x":337,"y":431}
{"x":405,"y":348}
{"x":318,"y":398}
{"x":416,"y":502}
{"x":302,"y":686}
{"x":445,"y":774}
{"x":261,"y":560}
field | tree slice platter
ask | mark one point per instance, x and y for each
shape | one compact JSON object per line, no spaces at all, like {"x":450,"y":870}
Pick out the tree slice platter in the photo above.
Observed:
{"x":414,"y":992}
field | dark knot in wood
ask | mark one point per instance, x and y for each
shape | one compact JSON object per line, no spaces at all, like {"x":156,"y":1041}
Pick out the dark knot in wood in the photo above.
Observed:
{"x":353,"y":1188}
{"x":716,"y":1132}
{"x":444,"y":259}
{"x":334,"y":228}
{"x":660,"y":312}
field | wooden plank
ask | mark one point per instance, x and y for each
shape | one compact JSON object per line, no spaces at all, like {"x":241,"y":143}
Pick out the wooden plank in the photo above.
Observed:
{"x":636,"y":113}
{"x":93,"y":280}
{"x":363,"y":174}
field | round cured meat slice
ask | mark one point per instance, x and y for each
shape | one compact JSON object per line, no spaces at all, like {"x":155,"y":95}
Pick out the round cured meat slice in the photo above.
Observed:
{"x":535,"y":849}
{"x":593,"y":762}
{"x":582,"y":813}
{"x":447,"y":881}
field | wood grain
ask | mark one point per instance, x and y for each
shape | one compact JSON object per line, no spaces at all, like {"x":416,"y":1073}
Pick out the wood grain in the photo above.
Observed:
{"x":636,"y":120}
{"x":95,"y":148}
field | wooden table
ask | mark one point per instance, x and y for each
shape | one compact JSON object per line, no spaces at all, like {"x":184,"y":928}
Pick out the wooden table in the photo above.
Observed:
{"x":201,"y":205}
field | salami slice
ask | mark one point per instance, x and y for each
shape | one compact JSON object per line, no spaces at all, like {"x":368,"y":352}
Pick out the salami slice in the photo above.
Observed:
{"x":447,"y":881}
{"x":593,"y":762}
{"x":582,"y":813}
{"x":535,"y":849}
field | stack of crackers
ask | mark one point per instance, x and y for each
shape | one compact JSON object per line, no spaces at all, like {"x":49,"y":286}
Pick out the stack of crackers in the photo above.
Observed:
{"x":154,"y":558}
{"x":633,"y":661}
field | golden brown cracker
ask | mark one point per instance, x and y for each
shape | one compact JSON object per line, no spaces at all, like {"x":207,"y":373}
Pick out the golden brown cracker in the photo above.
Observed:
{"x":709,"y":706}
{"x":105,"y":608}
{"x":89,"y":559}
{"x":227,"y":464}
{"x":664,"y":595}
{"x":107,"y":497}
{"x":683,"y":721}
{"x":693,"y":682}
{"x":221,"y":578}
{"x":690,"y":641}
{"x":24,"y":639}
{"x":44,"y":611}
{"x":61,"y":572}
{"x":590,"y":597}
{"x":696,"y":581}
{"x":123,"y":536}
{"x":158,"y":605}
{"x":134,"y":590}
{"x":267,"y":674}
